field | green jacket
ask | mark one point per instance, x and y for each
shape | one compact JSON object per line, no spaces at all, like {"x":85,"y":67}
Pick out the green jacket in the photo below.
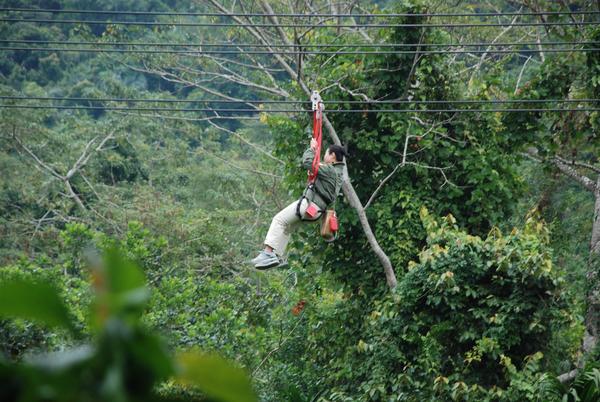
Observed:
{"x":328,"y":183}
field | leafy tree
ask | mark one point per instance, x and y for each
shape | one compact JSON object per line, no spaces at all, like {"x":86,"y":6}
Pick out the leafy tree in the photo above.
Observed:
{"x":124,"y":362}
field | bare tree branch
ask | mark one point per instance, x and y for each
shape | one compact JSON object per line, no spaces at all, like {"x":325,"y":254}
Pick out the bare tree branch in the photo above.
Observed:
{"x":75,"y":168}
{"x":245,"y":141}
{"x":180,"y":80}
{"x":404,"y":162}
{"x":45,"y":166}
{"x":521,"y":75}
{"x":39,"y":223}
{"x":484,"y":55}
{"x":354,"y":93}
{"x":282,"y":341}
{"x":585,"y":181}
{"x":579,"y":164}
{"x":238,"y":167}
{"x":73,"y":195}
{"x":580,"y":178}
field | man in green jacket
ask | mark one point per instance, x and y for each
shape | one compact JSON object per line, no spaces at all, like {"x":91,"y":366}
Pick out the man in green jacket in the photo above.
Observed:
{"x":322,"y":194}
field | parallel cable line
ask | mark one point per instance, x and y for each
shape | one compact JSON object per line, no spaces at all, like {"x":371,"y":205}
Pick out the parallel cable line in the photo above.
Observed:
{"x":209,"y":110}
{"x":318,"y":45}
{"x":297,"y":25}
{"x":308,"y":52}
{"x":294,"y":15}
{"x":276,"y":101}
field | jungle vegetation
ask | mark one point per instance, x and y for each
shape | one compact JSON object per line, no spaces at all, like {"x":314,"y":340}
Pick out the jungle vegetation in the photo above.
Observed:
{"x":467,"y":263}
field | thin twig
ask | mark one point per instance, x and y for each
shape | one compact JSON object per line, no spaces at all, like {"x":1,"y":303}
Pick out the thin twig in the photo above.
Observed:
{"x":281,"y":343}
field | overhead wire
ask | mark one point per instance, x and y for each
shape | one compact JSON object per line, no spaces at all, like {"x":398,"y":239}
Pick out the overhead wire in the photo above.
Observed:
{"x":211,"y":110}
{"x":308,"y":52}
{"x":318,"y":45}
{"x":294,"y":46}
{"x":296,"y":25}
{"x":281,"y":101}
{"x":271,"y":51}
{"x":296,"y":15}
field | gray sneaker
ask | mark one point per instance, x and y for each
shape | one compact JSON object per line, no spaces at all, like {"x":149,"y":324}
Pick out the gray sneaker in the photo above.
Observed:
{"x":257,"y":258}
{"x":261,"y":256}
{"x":266,"y":260}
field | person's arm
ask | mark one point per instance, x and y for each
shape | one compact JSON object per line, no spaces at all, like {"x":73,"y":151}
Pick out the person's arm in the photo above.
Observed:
{"x":309,"y":155}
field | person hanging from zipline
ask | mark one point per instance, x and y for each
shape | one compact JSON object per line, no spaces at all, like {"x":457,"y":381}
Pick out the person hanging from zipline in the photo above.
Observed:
{"x":324,"y":185}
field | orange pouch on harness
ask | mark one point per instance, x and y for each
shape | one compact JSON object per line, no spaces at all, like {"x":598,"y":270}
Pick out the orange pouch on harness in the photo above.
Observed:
{"x":333,"y":223}
{"x":312,"y":210}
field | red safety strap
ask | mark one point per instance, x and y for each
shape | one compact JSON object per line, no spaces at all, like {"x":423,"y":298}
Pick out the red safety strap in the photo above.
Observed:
{"x":317,"y":135}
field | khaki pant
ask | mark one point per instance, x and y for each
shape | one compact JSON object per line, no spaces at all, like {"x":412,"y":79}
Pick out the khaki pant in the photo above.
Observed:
{"x":284,"y":224}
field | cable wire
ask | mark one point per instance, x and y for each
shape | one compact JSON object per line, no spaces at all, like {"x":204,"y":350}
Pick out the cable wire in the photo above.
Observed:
{"x":318,"y":45}
{"x":295,"y":15}
{"x":277,"y":101}
{"x":209,"y":110}
{"x":283,"y":52}
{"x":295,"y":25}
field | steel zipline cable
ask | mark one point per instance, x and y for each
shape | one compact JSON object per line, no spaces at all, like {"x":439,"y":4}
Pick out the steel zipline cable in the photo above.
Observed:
{"x":295,"y":15}
{"x":296,"y":49}
{"x":284,"y":52}
{"x":296,"y":25}
{"x":318,"y":45}
{"x":284,"y":102}
{"x":217,"y":111}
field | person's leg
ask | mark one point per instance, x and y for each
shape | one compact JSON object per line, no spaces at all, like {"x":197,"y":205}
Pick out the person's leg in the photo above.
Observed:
{"x":278,"y":236}
{"x":282,"y":226}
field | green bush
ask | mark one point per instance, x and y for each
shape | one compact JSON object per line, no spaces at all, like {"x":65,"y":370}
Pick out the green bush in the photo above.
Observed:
{"x":470,"y":320}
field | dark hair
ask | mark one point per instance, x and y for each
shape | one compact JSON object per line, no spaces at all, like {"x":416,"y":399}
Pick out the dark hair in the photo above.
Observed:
{"x":339,"y":152}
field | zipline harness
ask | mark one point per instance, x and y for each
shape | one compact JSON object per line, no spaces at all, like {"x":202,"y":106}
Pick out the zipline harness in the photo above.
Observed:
{"x":329,"y":225}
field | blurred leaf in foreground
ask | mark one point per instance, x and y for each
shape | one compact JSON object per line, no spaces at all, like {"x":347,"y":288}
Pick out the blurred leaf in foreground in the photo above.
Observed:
{"x":120,"y":288}
{"x":215,"y":377}
{"x":33,"y":301}
{"x":124,"y":363}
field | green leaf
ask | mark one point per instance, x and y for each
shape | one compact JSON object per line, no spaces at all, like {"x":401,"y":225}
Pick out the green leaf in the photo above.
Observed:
{"x":122,"y":275}
{"x":216,"y":377}
{"x":152,"y":352}
{"x":40,"y":302}
{"x":125,"y":284}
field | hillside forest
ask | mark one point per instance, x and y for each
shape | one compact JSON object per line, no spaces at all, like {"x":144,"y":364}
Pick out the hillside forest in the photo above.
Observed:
{"x":145,"y":147}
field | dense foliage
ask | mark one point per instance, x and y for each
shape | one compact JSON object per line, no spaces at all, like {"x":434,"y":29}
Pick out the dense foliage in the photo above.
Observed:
{"x":488,"y":241}
{"x":126,"y":361}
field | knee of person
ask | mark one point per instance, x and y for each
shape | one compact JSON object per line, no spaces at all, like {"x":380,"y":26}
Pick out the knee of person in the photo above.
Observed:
{"x":280,"y":219}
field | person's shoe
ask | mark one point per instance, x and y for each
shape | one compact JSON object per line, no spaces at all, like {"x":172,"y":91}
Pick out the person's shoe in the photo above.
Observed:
{"x":257,"y":258}
{"x":266,"y":260}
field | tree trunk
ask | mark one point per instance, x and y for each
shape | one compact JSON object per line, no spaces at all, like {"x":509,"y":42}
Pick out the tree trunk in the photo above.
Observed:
{"x":592,"y":316}
{"x":595,"y":242}
{"x":355,"y":203}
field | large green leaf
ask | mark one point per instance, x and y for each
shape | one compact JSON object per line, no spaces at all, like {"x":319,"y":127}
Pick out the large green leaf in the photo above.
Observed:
{"x":124,"y":284}
{"x":40,"y":302}
{"x":152,"y":352}
{"x":122,"y":274}
{"x":215,"y":377}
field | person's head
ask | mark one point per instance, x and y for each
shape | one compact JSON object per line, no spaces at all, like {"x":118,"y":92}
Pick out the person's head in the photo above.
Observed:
{"x":335,"y":153}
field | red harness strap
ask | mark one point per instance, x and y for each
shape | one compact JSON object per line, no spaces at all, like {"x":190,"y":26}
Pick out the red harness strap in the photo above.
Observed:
{"x":317,"y":135}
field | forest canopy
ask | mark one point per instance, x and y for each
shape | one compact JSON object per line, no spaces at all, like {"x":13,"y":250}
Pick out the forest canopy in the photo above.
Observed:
{"x":145,"y":147}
